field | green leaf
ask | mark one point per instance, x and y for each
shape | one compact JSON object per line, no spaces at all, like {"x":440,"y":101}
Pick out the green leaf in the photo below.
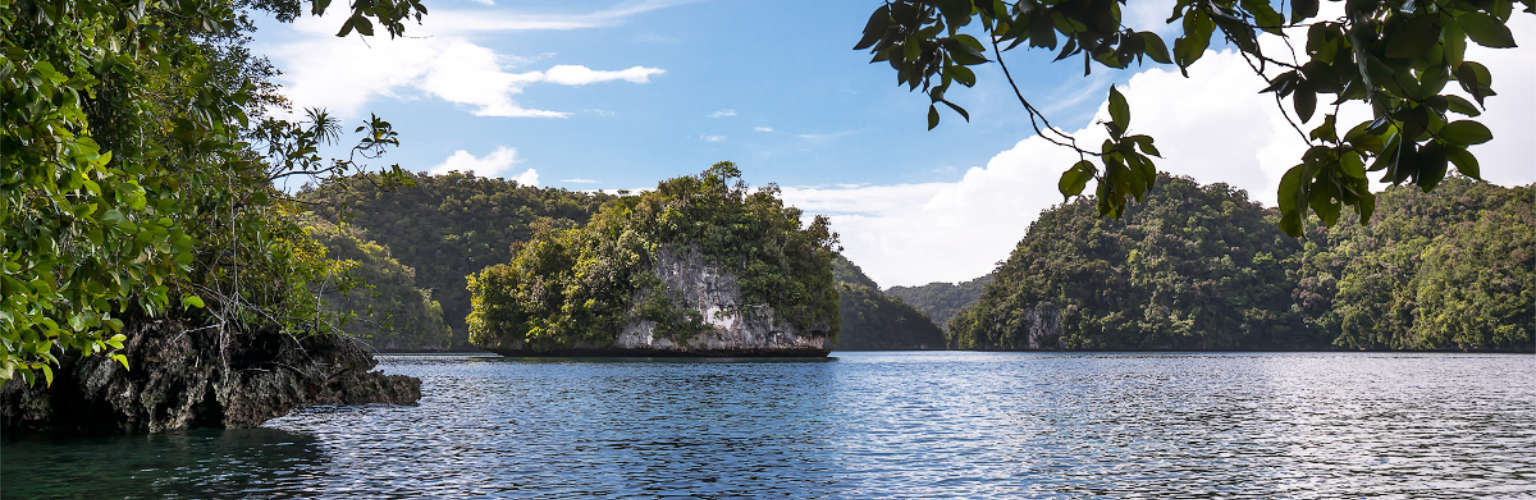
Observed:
{"x":1153,"y":47}
{"x":1458,"y":104}
{"x":1465,"y":133}
{"x":117,"y":219}
{"x":121,"y":359}
{"x":1119,"y":111}
{"x":47,"y":71}
{"x":47,"y":374}
{"x":1412,"y":38}
{"x":1145,"y":142}
{"x":134,"y":195}
{"x":1327,"y":131}
{"x":1366,"y":205}
{"x":1302,"y":10}
{"x":116,"y":341}
{"x":874,"y":29}
{"x":1485,"y":30}
{"x":1431,"y":168}
{"x":962,"y":74}
{"x":1075,"y":179}
{"x":1465,"y":162}
{"x":1264,"y":15}
{"x":958,"y":109}
{"x":964,"y":49}
{"x":190,"y":300}
{"x":1291,"y":194}
{"x":956,"y":12}
{"x":1305,"y":101}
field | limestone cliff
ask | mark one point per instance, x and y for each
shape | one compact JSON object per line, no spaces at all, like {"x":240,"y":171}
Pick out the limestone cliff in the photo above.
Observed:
{"x":731,"y":325}
{"x":700,"y":266}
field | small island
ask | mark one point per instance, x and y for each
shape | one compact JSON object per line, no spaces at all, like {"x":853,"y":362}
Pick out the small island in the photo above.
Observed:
{"x":700,"y":266}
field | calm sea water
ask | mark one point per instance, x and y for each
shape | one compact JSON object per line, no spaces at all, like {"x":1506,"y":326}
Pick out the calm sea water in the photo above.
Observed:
{"x":927,"y":425}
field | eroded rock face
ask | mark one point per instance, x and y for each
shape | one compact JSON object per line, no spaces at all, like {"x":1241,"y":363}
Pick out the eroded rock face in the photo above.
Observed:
{"x":691,"y":280}
{"x":183,"y":378}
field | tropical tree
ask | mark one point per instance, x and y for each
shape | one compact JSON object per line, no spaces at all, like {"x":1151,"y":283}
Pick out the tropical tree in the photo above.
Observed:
{"x":1397,"y":57}
{"x":136,"y":166}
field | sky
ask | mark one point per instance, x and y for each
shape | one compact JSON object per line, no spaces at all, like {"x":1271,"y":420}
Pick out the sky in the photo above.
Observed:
{"x":619,"y":94}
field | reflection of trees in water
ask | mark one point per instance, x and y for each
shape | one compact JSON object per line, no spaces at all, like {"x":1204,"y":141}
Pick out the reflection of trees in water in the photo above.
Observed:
{"x":204,"y":463}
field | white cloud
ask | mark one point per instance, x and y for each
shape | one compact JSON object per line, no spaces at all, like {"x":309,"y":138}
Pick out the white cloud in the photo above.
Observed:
{"x":496,"y":164}
{"x":579,"y":181}
{"x":959,"y":230}
{"x":567,"y":74}
{"x":762,"y":129}
{"x":822,"y":137}
{"x":484,"y":2}
{"x":437,"y":59}
{"x":712,"y":138}
{"x":723,"y":113}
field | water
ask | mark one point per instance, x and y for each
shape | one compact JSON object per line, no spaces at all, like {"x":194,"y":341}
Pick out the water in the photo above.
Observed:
{"x":926,"y":425}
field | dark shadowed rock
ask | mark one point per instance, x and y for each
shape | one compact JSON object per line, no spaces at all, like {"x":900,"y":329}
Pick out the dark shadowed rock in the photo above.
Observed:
{"x":181,"y":378}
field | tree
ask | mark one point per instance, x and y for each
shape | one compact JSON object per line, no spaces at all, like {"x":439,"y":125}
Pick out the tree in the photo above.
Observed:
{"x":132,"y":182}
{"x":449,"y":226}
{"x":1397,"y":57}
{"x":581,"y":285}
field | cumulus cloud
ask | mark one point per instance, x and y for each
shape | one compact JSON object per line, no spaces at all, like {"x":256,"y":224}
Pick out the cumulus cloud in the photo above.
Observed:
{"x":579,"y":181}
{"x":762,"y":129}
{"x":496,"y":164}
{"x":724,"y":113}
{"x":959,"y":230}
{"x":439,"y":59}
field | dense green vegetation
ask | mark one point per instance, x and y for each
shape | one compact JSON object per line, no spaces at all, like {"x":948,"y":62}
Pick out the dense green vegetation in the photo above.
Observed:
{"x":1398,"y":57}
{"x":136,"y":171}
{"x":871,"y":320}
{"x":1202,"y":267}
{"x":580,"y":285}
{"x":449,"y":226}
{"x":379,"y":301}
{"x":940,"y":301}
{"x":1191,"y":268}
{"x":1453,"y":270}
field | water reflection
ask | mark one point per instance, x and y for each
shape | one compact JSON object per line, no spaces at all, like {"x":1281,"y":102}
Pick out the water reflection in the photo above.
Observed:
{"x":197,"y":464}
{"x":925,"y":424}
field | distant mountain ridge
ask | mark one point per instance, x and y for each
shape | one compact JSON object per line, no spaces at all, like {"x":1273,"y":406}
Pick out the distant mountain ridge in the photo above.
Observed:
{"x":872,"y":320}
{"x":940,"y":301}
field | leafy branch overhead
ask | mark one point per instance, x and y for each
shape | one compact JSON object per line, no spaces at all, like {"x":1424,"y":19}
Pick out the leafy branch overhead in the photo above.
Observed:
{"x":1398,"y":58}
{"x":132,"y":178}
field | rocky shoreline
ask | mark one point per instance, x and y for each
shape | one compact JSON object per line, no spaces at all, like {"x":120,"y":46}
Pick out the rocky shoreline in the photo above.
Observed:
{"x":183,"y":377}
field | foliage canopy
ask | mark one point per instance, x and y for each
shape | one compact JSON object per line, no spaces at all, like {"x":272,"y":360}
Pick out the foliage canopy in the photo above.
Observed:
{"x":1396,"y":57}
{"x":1202,"y":267}
{"x":581,"y":285}
{"x":449,"y":226}
{"x":136,"y":169}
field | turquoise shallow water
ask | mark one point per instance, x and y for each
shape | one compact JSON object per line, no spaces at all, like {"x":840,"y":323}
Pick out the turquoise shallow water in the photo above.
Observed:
{"x":948,"y":424}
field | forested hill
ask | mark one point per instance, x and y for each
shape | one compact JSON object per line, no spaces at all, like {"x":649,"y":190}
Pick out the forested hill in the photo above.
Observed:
{"x":872,"y":320}
{"x":383,"y":306}
{"x":1203,"y":267}
{"x":941,"y":301}
{"x":449,"y":226}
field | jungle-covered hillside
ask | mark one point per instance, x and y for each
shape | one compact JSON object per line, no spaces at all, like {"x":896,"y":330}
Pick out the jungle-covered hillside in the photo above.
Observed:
{"x":1203,"y":267}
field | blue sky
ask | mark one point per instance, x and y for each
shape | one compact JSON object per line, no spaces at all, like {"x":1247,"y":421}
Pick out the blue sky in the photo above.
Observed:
{"x":834,"y":117}
{"x":619,"y":94}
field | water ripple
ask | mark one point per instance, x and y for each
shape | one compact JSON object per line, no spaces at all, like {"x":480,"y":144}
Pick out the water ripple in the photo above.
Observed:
{"x":927,"y":425}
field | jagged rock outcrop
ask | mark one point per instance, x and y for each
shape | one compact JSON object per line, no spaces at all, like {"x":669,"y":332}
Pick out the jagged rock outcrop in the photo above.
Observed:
{"x":733,"y":327}
{"x":181,"y":378}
